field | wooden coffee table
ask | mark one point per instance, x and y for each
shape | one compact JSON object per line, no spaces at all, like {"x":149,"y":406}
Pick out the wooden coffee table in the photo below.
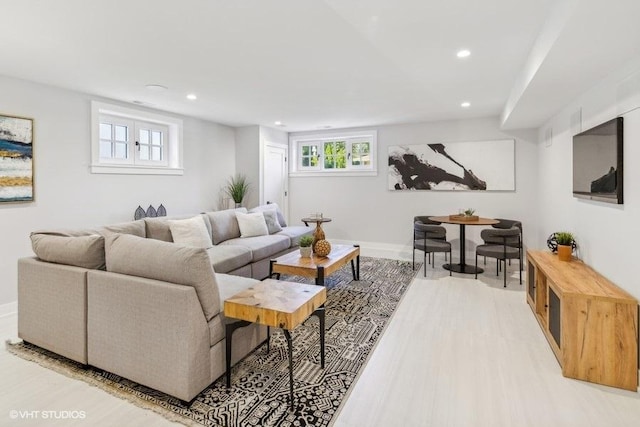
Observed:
{"x":317,"y":267}
{"x":277,"y":304}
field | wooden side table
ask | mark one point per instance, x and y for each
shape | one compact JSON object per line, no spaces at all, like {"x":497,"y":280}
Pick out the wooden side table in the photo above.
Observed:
{"x":277,"y":304}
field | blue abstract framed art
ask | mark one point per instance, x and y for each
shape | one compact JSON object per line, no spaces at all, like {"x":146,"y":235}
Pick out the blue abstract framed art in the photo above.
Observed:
{"x":16,"y":159}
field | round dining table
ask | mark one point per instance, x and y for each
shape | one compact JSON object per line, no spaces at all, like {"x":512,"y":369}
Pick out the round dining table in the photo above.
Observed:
{"x":462,"y":266}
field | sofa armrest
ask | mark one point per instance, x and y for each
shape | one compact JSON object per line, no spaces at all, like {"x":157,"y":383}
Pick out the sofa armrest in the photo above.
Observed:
{"x":52,"y":307}
{"x":151,"y":332}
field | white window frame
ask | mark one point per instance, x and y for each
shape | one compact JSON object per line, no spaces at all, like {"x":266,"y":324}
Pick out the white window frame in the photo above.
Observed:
{"x":171,"y":163}
{"x":296,"y":142}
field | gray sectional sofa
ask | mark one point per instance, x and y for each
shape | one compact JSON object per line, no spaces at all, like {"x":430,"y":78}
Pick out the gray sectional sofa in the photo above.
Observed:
{"x":128,"y":299}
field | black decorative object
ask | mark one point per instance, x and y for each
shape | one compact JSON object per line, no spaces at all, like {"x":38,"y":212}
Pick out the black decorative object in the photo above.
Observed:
{"x":140,"y":213}
{"x":161,"y":210}
{"x":475,"y":166}
{"x":552,"y":244}
{"x":151,"y":212}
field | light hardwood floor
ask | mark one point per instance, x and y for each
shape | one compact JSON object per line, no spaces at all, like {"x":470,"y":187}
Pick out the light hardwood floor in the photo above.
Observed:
{"x":457,"y":352}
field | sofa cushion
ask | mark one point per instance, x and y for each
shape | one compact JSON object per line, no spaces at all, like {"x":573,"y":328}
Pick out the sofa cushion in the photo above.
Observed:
{"x":80,"y":251}
{"x":251,"y":224}
{"x":271,"y":218}
{"x":226,"y":258}
{"x":190,"y":232}
{"x":165,"y":261}
{"x":158,"y":228}
{"x":261,"y":246}
{"x":295,"y":232}
{"x":224,"y":225}
{"x":135,"y":228}
{"x":271,"y":207}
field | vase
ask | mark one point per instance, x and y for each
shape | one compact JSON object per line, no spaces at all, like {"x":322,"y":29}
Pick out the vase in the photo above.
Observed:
{"x":305,"y":252}
{"x":564,"y":252}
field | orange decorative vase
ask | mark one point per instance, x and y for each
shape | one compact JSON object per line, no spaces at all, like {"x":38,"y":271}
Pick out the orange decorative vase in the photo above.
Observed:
{"x":564,"y":252}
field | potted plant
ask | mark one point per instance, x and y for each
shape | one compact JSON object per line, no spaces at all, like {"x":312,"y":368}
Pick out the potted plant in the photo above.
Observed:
{"x":565,"y":245}
{"x":305,"y":246}
{"x":469,"y":212}
{"x":237,"y":188}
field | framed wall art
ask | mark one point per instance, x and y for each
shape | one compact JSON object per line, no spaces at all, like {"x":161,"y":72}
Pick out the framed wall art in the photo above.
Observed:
{"x":467,"y":166}
{"x":16,"y":159}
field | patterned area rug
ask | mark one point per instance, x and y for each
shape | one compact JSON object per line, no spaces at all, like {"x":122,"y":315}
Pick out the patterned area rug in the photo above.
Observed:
{"x":356,"y":315}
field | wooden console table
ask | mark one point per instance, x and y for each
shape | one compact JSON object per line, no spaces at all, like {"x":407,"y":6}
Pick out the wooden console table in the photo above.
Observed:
{"x":591,"y":324}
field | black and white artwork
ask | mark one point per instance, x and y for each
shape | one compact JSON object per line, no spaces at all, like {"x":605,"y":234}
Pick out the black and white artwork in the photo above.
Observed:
{"x":468,"y":166}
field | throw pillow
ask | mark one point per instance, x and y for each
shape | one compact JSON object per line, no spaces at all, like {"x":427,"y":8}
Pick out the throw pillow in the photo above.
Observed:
{"x":271,"y":207}
{"x":190,"y":232}
{"x":252,"y":224}
{"x":271,"y":218}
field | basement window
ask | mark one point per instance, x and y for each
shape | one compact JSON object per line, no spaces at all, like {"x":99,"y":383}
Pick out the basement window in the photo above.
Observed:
{"x":334,"y":153}
{"x":130,"y":141}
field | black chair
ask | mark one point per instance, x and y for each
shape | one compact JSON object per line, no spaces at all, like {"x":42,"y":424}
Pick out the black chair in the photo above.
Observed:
{"x":436,"y":233}
{"x":489,"y":237}
{"x":502,"y":251}
{"x":427,"y":238}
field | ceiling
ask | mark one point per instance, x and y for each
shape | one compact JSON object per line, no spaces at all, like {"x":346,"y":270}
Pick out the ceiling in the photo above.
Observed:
{"x":314,"y":64}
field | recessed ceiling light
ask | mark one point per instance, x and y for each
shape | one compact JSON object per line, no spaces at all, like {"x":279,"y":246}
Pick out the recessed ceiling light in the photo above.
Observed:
{"x":279,"y":123}
{"x":465,"y":104}
{"x":463,"y":53}
{"x":156,"y":87}
{"x":192,"y":97}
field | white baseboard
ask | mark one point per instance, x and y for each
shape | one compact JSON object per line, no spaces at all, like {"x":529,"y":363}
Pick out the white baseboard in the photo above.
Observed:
{"x":380,"y":250}
{"x":9,"y":309}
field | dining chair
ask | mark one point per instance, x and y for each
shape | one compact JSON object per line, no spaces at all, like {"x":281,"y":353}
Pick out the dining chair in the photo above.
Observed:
{"x":424,"y":239}
{"x":489,"y":237}
{"x":502,"y":251}
{"x":438,"y":232}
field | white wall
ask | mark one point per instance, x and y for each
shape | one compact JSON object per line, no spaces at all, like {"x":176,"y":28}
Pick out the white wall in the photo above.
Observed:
{"x":67,"y":195}
{"x":363,"y":210}
{"x":607,"y":234}
{"x":248,"y":161}
{"x":250,"y":142}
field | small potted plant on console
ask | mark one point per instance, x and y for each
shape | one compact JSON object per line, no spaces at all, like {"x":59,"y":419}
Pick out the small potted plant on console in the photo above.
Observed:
{"x":305,"y":246}
{"x":565,"y":245}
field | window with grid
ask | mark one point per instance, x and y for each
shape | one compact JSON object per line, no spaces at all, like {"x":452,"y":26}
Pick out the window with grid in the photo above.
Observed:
{"x":131,"y":141}
{"x":348,"y":153}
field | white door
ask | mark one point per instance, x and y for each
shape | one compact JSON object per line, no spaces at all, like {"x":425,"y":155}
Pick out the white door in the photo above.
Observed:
{"x":276,"y":174}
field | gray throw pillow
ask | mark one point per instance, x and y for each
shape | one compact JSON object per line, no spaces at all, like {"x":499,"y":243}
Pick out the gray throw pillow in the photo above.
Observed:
{"x":271,"y":218}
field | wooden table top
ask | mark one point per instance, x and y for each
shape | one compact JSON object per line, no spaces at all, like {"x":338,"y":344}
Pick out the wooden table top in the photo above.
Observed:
{"x":575,"y":277}
{"x":479,"y":221}
{"x":293,"y":263}
{"x":276,"y":303}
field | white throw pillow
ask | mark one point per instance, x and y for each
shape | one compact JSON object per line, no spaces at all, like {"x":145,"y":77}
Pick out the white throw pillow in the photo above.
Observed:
{"x":271,"y":218}
{"x":190,"y":232}
{"x":252,"y":224}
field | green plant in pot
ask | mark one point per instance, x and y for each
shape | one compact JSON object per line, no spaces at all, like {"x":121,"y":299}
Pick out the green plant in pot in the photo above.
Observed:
{"x":565,"y":245}
{"x":469,"y":212}
{"x":305,"y":246}
{"x":237,"y":188}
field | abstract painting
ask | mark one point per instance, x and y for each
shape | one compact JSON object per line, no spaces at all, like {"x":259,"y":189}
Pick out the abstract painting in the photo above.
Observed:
{"x":16,"y":159}
{"x":468,"y":166}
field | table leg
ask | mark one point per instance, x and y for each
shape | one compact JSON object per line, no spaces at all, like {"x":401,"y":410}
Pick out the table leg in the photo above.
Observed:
{"x":320,"y":314}
{"x":289,"y":344}
{"x":229,"y":330}
{"x":356,"y":269}
{"x":462,"y":267}
{"x":463,"y":249}
{"x":320,"y":276}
